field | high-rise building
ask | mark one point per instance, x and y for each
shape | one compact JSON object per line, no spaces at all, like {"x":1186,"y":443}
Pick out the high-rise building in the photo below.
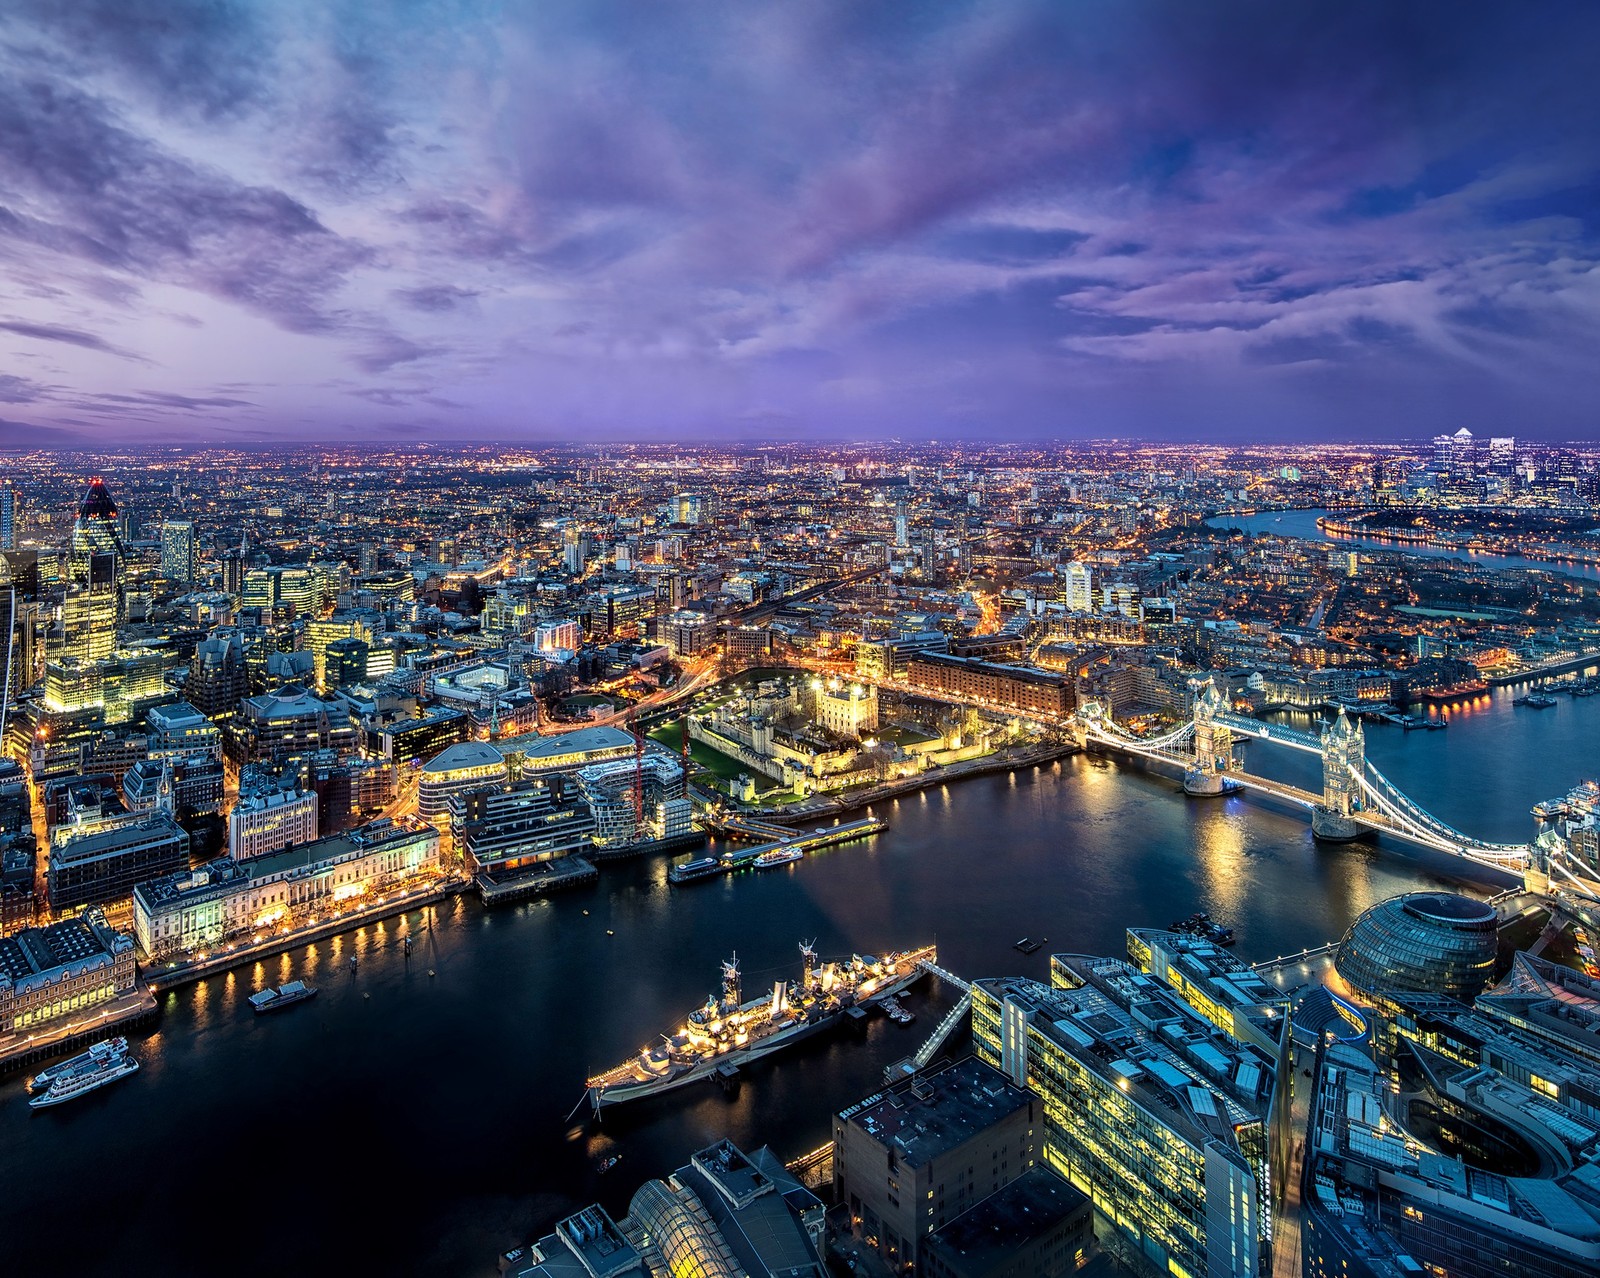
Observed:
{"x":10,"y":517}
{"x":178,"y":556}
{"x":92,"y":608}
{"x":1455,"y":455}
{"x":8,"y":644}
{"x":572,"y":550}
{"x":1078,"y":588}
{"x":1159,"y":1120}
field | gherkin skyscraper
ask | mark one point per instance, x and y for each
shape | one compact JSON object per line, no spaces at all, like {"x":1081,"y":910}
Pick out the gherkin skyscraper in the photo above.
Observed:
{"x":92,"y":609}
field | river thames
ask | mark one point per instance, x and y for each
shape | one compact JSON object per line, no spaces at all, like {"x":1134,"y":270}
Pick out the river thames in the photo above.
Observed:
{"x":409,"y":1123}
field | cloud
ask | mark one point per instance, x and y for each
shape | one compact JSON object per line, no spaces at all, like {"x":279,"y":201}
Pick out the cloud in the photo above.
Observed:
{"x":65,"y":335}
{"x":435,"y":297}
{"x":20,"y":390}
{"x":643,"y":218}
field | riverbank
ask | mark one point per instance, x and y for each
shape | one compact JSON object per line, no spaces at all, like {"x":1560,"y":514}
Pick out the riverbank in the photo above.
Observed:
{"x":134,"y":1010}
{"x":177,"y":973}
{"x":1003,"y":761}
{"x":1472,"y":547}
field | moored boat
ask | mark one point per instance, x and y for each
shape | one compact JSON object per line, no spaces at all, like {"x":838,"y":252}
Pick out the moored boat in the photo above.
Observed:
{"x":97,"y":1055}
{"x":68,"y":1087}
{"x":692,"y":871}
{"x":271,"y":1000}
{"x":778,"y":856}
{"x":727,"y":1032}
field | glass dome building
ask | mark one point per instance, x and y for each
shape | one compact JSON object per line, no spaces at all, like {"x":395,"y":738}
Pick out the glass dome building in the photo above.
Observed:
{"x":1423,"y":942}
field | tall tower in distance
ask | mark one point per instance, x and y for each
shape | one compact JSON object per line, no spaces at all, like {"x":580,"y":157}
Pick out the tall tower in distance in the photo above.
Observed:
{"x":92,"y":609}
{"x":10,"y":516}
{"x":178,"y":558}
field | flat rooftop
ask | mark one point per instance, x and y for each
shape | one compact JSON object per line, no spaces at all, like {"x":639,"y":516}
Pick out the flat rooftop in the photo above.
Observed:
{"x":936,"y":1113}
{"x":1006,"y":1221}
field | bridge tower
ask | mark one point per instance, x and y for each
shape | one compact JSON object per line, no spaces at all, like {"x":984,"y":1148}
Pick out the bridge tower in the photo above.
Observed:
{"x":1213,"y":745}
{"x":1344,"y":759}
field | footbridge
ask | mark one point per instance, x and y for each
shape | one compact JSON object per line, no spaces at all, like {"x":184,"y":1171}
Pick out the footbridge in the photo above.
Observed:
{"x":1355,"y":798}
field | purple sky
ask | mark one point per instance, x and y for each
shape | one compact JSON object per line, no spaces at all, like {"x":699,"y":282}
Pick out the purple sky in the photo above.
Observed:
{"x":349,"y":219}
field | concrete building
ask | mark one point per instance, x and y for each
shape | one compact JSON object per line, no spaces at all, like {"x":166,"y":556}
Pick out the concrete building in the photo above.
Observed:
{"x":909,"y":1160}
{"x":688,"y":633}
{"x":179,"y":729}
{"x":103,"y":866}
{"x":663,"y":809}
{"x":269,"y":817}
{"x":188,"y":912}
{"x":1038,"y":1226}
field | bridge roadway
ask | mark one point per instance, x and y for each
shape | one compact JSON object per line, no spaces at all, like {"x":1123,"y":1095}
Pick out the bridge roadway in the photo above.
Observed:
{"x":1374,"y":819}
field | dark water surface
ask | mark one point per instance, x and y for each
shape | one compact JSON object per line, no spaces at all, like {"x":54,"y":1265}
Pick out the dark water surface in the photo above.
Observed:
{"x":1303,"y":524}
{"x":418,"y":1130}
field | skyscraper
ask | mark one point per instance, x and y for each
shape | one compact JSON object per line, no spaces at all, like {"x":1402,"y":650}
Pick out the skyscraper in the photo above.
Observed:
{"x":8,"y":642}
{"x":10,"y":517}
{"x":1078,"y":589}
{"x":92,"y":609}
{"x":178,"y":558}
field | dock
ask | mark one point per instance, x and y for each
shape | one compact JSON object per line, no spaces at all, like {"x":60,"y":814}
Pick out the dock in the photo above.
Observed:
{"x":540,"y":880}
{"x":821,"y":837}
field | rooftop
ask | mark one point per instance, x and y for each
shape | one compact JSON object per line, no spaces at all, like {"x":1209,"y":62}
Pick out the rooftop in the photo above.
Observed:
{"x":1004,"y":1223}
{"x":936,"y":1113}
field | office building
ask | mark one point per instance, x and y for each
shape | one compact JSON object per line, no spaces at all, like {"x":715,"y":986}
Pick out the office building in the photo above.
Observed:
{"x":218,"y":677}
{"x":1147,"y":1108}
{"x":187,"y":912}
{"x":1077,"y":587}
{"x":460,"y":769}
{"x":288,"y":724}
{"x":521,"y":824}
{"x":10,"y":516}
{"x":179,"y":553}
{"x":92,"y":608}
{"x":103,"y":866}
{"x":270,"y":815}
{"x":909,"y":1160}
{"x":1429,"y":942}
{"x":726,"y":1214}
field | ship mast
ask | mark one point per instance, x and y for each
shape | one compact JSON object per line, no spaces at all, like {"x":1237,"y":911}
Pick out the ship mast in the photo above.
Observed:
{"x":730,"y":982}
{"x":808,"y":965}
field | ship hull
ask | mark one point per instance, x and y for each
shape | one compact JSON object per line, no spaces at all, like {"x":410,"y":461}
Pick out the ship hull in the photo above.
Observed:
{"x":55,"y":1097}
{"x":701,"y":1071}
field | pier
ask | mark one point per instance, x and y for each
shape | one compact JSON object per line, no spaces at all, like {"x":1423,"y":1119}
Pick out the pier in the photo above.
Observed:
{"x":539,"y":880}
{"x":745,"y":858}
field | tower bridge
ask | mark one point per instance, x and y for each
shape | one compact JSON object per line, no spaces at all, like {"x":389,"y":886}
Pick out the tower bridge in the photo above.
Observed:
{"x":1355,"y":798}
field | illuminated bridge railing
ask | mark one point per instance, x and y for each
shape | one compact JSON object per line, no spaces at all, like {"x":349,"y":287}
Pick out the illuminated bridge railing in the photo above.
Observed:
{"x":1271,"y":732}
{"x":1404,"y":810}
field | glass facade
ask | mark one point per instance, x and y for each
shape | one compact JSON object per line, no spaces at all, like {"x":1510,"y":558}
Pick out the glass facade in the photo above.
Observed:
{"x":686,"y":1239}
{"x":1424,"y":942}
{"x":1178,"y":1167}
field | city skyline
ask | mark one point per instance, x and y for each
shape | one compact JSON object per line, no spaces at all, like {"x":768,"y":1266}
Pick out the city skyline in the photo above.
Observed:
{"x":231,"y":227}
